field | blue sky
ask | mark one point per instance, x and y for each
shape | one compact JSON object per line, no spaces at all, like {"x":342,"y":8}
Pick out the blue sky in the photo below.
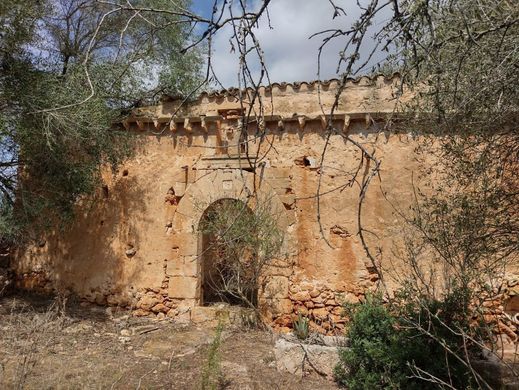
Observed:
{"x":289,"y":53}
{"x":202,"y":7}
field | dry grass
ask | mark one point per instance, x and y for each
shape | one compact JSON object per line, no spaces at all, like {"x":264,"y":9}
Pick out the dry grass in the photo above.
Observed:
{"x":58,"y":344}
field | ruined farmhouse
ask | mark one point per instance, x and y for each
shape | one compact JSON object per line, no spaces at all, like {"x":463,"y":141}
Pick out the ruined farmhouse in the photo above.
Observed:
{"x":139,"y":244}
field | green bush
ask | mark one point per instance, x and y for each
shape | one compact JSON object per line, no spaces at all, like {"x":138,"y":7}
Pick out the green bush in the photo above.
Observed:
{"x":404,"y":347}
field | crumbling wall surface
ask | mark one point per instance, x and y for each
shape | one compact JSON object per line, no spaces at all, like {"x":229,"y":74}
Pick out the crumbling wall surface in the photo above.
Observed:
{"x":133,"y":245}
{"x":365,"y":94}
{"x":136,"y":243}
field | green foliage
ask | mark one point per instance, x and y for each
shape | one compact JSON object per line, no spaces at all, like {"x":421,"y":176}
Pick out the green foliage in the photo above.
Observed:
{"x":212,"y":377}
{"x":65,"y":78}
{"x":414,"y":345}
{"x":459,"y":60}
{"x":373,"y":358}
{"x":301,"y":329}
{"x":244,"y":239}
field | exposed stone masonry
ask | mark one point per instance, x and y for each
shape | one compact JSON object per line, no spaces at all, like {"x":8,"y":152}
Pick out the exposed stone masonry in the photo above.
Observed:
{"x":139,"y":246}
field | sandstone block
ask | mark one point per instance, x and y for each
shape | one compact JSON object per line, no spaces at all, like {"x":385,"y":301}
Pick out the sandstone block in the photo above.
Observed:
{"x":277,"y":306}
{"x":337,"y":319}
{"x":316,"y":328}
{"x":301,"y":296}
{"x":320,"y":312}
{"x":279,"y":268}
{"x":309,"y":304}
{"x":303,"y":310}
{"x":112,"y":300}
{"x":209,"y":315}
{"x":159,"y":308}
{"x":295,"y":357}
{"x":147,"y":302}
{"x":187,"y":243}
{"x":284,"y":321}
{"x":351,"y":298}
{"x":160,"y":316}
{"x":183,"y":287}
{"x":182,"y":266}
{"x":183,"y":317}
{"x":307,"y":286}
{"x":100,"y":299}
{"x":276,"y":287}
{"x":288,"y":200}
{"x":140,"y":313}
{"x":327,"y":295}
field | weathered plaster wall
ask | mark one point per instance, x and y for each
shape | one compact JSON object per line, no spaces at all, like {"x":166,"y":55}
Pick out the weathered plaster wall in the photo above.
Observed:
{"x":136,"y":244}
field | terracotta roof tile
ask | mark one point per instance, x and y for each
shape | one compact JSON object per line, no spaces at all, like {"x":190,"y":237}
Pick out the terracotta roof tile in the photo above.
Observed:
{"x":296,"y":85}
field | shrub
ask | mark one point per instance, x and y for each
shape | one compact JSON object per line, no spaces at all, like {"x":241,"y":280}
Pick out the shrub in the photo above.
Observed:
{"x":372,"y":360}
{"x":414,"y":345}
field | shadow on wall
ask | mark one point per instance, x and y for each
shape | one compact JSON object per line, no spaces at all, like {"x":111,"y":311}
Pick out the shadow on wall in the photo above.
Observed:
{"x":92,"y":256}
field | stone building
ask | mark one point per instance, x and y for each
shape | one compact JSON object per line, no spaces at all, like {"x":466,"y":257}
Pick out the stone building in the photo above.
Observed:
{"x":139,"y":244}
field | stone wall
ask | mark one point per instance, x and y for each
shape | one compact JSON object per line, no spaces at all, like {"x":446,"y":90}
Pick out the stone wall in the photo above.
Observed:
{"x":136,"y":243}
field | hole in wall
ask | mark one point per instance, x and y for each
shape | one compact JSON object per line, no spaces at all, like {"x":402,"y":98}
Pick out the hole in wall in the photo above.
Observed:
{"x":288,"y":206}
{"x":172,"y":198}
{"x":306,"y":161}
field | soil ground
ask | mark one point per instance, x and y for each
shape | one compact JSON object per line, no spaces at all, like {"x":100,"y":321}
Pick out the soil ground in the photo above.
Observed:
{"x":45,"y":344}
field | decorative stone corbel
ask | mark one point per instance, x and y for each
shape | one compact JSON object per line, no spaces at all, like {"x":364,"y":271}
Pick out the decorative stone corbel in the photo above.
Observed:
{"x":261,"y":124}
{"x":203,"y":123}
{"x":281,"y":125}
{"x":156,"y":124}
{"x":172,"y":125}
{"x":219,"y":141}
{"x":140,"y":125}
{"x":302,"y":122}
{"x":368,"y":120}
{"x":346,"y":126}
{"x":187,"y":125}
{"x":324,"y":121}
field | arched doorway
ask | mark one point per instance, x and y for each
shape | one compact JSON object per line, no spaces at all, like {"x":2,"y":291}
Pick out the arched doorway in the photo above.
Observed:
{"x":228,"y":261}
{"x":211,"y":187}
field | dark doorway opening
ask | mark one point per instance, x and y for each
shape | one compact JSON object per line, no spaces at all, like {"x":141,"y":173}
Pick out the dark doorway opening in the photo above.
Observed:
{"x":224,"y":254}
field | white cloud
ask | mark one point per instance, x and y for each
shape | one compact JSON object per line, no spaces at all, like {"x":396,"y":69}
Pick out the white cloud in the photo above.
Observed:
{"x":290,"y":54}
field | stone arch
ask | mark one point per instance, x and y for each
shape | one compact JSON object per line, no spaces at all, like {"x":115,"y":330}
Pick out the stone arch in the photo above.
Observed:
{"x":207,"y":189}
